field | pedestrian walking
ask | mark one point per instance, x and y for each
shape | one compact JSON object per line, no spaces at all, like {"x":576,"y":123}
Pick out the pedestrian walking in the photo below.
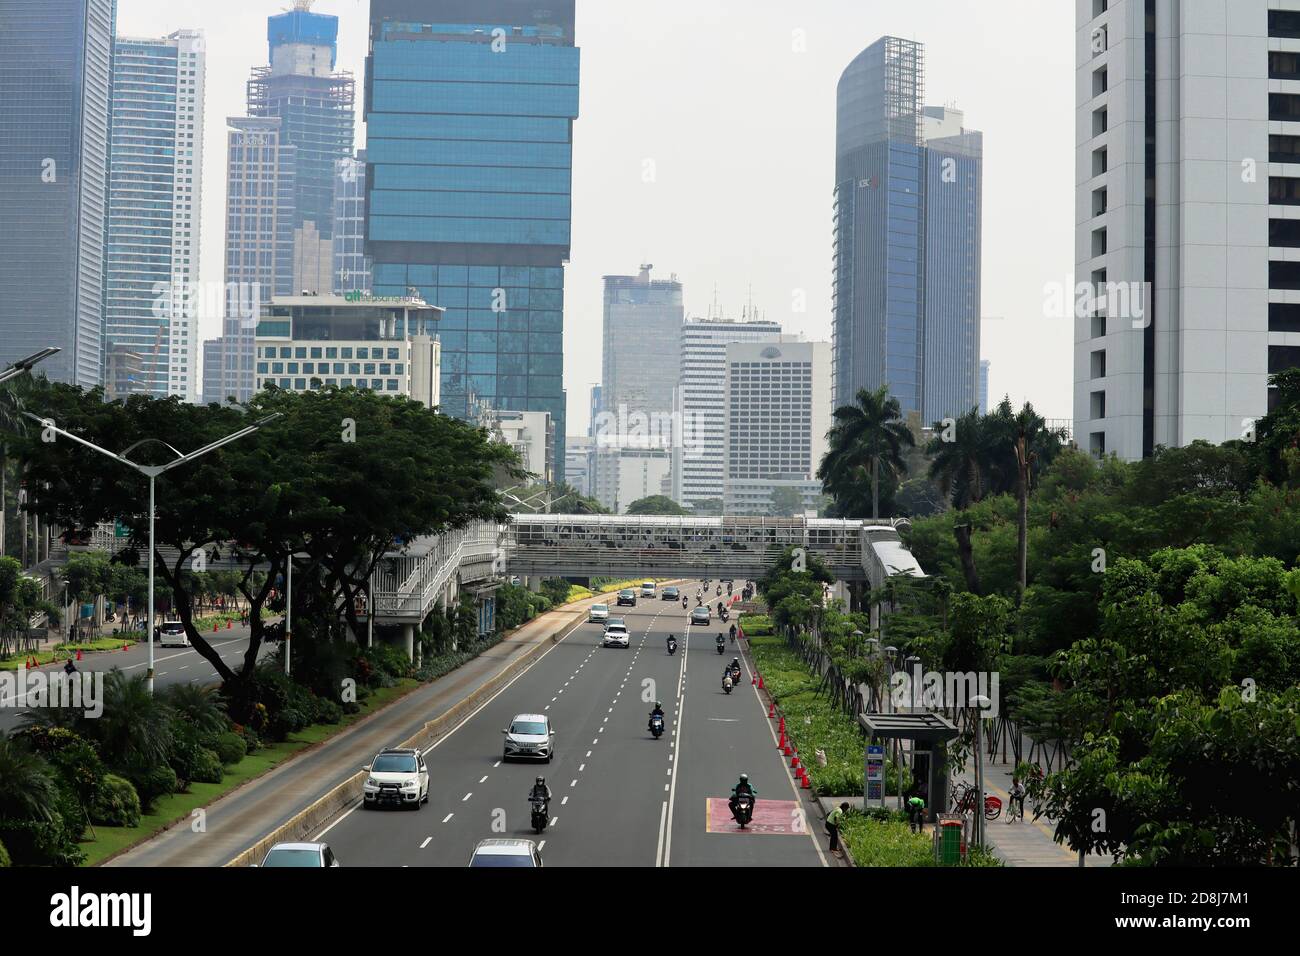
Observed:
{"x":833,"y":826}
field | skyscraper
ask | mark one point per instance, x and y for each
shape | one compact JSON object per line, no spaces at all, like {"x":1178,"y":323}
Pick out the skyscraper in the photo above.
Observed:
{"x":155,"y":190}
{"x":55,"y":83}
{"x":315,"y":106}
{"x":778,"y":412}
{"x":282,"y":166}
{"x":469,"y":112}
{"x":1187,"y":136}
{"x":907,"y":238}
{"x":641,"y":342}
{"x":984,"y":387}
{"x":699,"y":455}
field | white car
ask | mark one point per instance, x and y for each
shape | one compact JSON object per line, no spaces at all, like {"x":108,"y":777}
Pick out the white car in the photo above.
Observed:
{"x":309,"y":855}
{"x":648,"y":589}
{"x":171,"y":634}
{"x":520,"y":853}
{"x":398,"y":777}
{"x":616,"y":635}
{"x":529,"y":736}
{"x":598,"y":614}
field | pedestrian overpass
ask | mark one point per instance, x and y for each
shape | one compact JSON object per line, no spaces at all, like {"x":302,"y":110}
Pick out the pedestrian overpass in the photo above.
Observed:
{"x":433,"y":571}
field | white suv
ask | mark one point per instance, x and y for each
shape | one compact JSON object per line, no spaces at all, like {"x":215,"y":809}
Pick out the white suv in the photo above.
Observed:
{"x":616,"y":635}
{"x":399,"y":777}
{"x":598,"y":614}
{"x":529,"y":736}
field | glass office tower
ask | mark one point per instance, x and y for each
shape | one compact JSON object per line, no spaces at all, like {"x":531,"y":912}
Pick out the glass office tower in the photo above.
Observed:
{"x":469,"y":111}
{"x":907,"y":238}
{"x":56,"y":69}
{"x":153,"y":209}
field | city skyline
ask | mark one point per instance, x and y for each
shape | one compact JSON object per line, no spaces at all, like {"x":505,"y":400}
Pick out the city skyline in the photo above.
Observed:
{"x":788,"y":274}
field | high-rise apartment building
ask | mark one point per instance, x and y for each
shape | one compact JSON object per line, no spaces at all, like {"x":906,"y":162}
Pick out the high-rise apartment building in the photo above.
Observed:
{"x":469,"y":148}
{"x":56,"y":79}
{"x":699,"y":454}
{"x":907,"y":238}
{"x":778,"y":410}
{"x":151,"y":298}
{"x":1187,"y":218}
{"x":642,"y":325}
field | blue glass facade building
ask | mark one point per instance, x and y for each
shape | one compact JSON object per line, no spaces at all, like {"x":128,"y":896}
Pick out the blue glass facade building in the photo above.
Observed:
{"x":56,"y":63}
{"x":469,"y":147}
{"x":906,"y":292}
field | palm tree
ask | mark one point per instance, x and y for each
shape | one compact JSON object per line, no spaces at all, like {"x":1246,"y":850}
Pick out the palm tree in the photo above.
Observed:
{"x":201,"y":706}
{"x":1035,"y":446}
{"x":27,"y":787}
{"x":135,"y":729}
{"x":866,"y":435}
{"x":963,"y":458}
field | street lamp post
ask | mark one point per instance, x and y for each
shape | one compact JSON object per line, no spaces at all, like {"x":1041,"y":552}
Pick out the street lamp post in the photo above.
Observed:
{"x":288,"y":605}
{"x":978,"y":702}
{"x":152,"y":472}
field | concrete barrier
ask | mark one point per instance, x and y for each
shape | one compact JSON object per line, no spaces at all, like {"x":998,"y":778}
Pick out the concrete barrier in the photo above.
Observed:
{"x":308,"y":821}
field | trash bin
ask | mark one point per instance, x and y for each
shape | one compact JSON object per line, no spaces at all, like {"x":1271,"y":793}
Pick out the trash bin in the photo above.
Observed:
{"x":950,"y":842}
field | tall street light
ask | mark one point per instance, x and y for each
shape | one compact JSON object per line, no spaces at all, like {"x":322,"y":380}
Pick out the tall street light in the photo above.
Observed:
{"x":25,"y":364}
{"x":152,"y":472}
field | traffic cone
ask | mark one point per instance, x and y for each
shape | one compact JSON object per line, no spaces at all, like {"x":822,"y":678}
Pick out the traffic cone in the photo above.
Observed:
{"x":78,"y":653}
{"x":794,"y":761}
{"x":805,"y":783}
{"x":215,"y":627}
{"x":786,"y":749}
{"x":125,"y":646}
{"x":228,"y":625}
{"x":780,"y":744}
{"x":782,"y":726}
{"x":753,"y":680}
{"x":771,"y":711}
{"x":760,"y":681}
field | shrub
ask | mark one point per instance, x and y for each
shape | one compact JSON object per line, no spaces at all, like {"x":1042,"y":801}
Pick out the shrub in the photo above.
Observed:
{"x":288,"y":721}
{"x":152,"y":783}
{"x":40,"y":843}
{"x":75,"y":759}
{"x":328,"y":711}
{"x":385,"y":659}
{"x":207,"y":768}
{"x":231,"y":748}
{"x":4,"y":856}
{"x":117,"y":804}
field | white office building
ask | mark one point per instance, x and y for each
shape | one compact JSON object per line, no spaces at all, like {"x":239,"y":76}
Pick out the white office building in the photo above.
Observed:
{"x":380,"y":343}
{"x":1188,"y":218}
{"x":532,"y":436}
{"x":778,"y":410}
{"x":577,"y":463}
{"x":699,"y":451}
{"x":622,"y":474}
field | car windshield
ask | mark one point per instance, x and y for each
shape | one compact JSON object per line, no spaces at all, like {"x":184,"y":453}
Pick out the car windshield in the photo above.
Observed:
{"x":534,"y":727}
{"x":502,"y":859}
{"x":600,"y":607}
{"x":286,"y":857}
{"x":393,"y":763}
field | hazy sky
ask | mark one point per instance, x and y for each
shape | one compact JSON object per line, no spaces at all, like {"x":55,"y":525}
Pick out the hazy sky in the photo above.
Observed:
{"x":728,"y":108}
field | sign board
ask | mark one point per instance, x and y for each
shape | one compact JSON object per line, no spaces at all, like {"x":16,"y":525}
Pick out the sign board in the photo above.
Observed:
{"x":875,"y":795}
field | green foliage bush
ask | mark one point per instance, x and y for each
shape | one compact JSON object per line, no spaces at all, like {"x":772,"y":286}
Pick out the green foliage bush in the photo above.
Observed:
{"x":873,"y":842}
{"x":231,"y":748}
{"x":40,"y":843}
{"x":116,"y":803}
{"x":4,"y":857}
{"x":152,"y":783}
{"x":207,"y":768}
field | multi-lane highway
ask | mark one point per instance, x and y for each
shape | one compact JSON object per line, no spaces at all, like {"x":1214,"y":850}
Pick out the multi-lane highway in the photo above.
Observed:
{"x":620,"y":797}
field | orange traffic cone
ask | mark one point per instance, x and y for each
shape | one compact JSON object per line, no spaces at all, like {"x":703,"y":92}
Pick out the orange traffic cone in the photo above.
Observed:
{"x":125,"y":645}
{"x":805,"y":783}
{"x":760,"y":681}
{"x":228,"y":625}
{"x":780,"y":744}
{"x":771,"y":710}
{"x":78,"y":653}
{"x":782,"y":726}
{"x":794,"y":761}
{"x":786,"y":749}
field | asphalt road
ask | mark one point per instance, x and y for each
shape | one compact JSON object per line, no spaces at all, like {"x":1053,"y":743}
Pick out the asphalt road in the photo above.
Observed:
{"x":620,"y":797}
{"x":172,"y":665}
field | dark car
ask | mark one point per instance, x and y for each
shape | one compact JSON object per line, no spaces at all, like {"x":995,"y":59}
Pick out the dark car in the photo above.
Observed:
{"x":671,"y":594}
{"x":627,"y":596}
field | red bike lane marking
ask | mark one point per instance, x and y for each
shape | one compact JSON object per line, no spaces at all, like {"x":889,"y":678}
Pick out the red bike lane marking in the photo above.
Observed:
{"x":770,"y":817}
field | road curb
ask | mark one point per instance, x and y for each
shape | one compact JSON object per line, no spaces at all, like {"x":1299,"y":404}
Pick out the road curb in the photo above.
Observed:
{"x":307,"y":821}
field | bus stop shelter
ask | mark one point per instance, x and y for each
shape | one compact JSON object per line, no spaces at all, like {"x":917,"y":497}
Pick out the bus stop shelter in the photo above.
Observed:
{"x":929,"y":732}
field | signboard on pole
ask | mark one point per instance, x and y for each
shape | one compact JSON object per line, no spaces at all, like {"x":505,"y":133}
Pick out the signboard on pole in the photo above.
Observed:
{"x":875,"y":795}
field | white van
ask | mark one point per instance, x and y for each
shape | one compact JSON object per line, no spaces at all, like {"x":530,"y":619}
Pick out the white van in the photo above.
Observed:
{"x":648,"y":589}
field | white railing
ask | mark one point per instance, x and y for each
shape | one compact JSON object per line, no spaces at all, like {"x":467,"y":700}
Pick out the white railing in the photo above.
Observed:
{"x":407,"y":584}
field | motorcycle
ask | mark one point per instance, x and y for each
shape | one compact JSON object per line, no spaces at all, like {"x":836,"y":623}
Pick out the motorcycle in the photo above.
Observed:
{"x":735,"y":675}
{"x":541,"y":815}
{"x":742,"y":808}
{"x":672,"y":647}
{"x":719,"y":590}
{"x":656,"y":726}
{"x":683,"y":604}
{"x":727,"y":683}
{"x":720,"y":645}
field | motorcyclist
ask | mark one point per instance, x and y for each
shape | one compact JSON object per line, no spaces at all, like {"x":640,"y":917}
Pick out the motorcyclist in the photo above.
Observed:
{"x":540,"y":792}
{"x":733,"y":633}
{"x":734,"y":668}
{"x":721,"y":640}
{"x":657,"y":712}
{"x":69,"y":667}
{"x":683,"y":602}
{"x":672,"y":639}
{"x":743,"y":787}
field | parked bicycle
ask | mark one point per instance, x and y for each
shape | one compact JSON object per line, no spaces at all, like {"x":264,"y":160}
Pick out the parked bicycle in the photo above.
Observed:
{"x":964,"y":802}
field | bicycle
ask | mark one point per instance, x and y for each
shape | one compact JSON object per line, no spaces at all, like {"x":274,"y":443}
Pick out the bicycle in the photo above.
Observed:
{"x":965,"y":803}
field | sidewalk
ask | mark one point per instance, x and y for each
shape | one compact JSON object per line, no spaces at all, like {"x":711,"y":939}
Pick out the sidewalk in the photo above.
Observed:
{"x":241,"y":818}
{"x":1026,"y":842}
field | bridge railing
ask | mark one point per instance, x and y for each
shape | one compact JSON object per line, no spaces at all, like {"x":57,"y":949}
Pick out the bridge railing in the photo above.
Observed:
{"x":407,"y":584}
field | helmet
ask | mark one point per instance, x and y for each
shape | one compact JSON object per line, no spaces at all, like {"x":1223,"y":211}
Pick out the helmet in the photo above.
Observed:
{"x":541,"y":780}
{"x":658,"y":704}
{"x":744,"y":778}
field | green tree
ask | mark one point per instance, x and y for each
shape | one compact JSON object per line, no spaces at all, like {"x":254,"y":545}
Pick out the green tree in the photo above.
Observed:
{"x":656,"y":505}
{"x":867,"y":437}
{"x":786,"y":502}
